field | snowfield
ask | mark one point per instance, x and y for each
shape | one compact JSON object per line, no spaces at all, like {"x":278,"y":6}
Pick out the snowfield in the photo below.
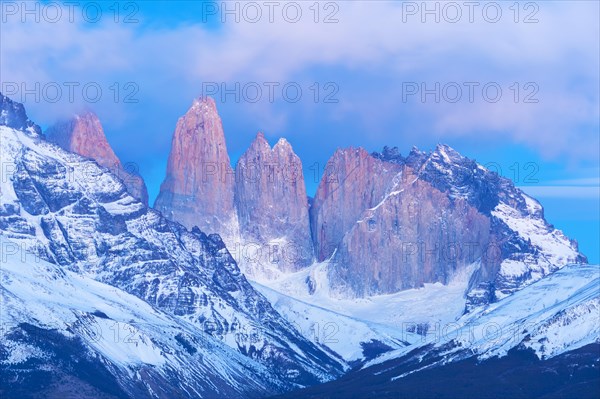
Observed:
{"x":345,"y":325}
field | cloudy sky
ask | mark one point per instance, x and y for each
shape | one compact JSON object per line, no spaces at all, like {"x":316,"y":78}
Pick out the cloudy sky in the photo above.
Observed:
{"x":513,"y":85}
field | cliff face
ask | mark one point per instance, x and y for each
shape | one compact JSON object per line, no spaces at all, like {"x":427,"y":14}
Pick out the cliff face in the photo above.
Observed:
{"x":387,"y":230}
{"x":415,"y":235}
{"x":389,"y":223}
{"x":520,"y":248}
{"x":272,"y":208}
{"x":353,"y":181}
{"x":198,"y":187}
{"x":84,"y":135}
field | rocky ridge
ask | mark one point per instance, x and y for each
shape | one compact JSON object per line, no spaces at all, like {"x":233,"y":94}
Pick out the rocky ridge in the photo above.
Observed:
{"x":84,"y":135}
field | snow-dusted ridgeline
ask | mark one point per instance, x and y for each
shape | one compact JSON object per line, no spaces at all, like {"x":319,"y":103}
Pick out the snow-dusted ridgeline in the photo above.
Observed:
{"x":55,"y":320}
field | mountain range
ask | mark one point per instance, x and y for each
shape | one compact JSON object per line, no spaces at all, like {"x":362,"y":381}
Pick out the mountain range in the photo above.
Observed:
{"x":237,"y":284}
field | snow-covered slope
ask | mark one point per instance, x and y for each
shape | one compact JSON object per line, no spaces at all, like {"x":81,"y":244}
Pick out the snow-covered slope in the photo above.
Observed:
{"x":556,"y":314}
{"x":353,"y":339}
{"x":433,"y":302}
{"x":59,"y":326}
{"x":552,"y":248}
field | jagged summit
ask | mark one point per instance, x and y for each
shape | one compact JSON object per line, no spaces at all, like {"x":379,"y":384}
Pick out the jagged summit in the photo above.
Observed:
{"x":84,"y":135}
{"x":445,"y":148}
{"x":392,"y":154}
{"x":389,"y":154}
{"x":203,"y":108}
{"x":206,"y":103}
{"x":12,"y":114}
{"x":283,"y":144}
{"x":260,"y":142}
{"x":272,"y":208}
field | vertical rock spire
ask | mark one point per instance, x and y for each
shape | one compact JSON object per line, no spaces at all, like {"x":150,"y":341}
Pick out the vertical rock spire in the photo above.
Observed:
{"x":198,"y":187}
{"x":272,"y":206}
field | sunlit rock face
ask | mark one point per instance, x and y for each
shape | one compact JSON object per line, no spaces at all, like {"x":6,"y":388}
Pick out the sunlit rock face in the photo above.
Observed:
{"x":272,"y":208}
{"x":83,"y":134}
{"x":199,"y":184}
{"x":417,"y":235}
{"x":433,"y":215}
{"x":260,"y":209}
{"x":353,"y":181}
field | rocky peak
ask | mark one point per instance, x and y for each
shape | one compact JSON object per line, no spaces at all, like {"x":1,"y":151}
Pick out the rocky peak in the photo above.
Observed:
{"x":449,"y":171}
{"x":204,"y":104}
{"x":435,"y":214}
{"x":282,"y":145}
{"x":272,"y":206}
{"x":444,"y":154}
{"x":12,"y":114}
{"x":415,"y":156}
{"x":198,"y":187}
{"x":260,"y":144}
{"x":84,"y":135}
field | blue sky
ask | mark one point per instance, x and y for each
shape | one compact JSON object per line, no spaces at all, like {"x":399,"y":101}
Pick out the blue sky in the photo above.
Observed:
{"x":371,"y":60}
